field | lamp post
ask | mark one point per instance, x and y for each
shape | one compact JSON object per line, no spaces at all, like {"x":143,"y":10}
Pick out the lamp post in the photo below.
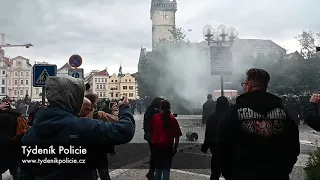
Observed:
{"x":221,"y":37}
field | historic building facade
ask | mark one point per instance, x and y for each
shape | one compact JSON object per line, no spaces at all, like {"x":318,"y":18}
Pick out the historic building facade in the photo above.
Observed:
{"x":20,"y":78}
{"x":98,"y":81}
{"x":163,"y":17}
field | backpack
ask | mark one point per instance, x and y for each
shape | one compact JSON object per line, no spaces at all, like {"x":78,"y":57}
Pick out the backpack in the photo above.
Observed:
{"x":22,"y":127}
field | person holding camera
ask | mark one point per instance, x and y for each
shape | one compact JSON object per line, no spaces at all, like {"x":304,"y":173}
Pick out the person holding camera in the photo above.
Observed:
{"x":312,"y":117}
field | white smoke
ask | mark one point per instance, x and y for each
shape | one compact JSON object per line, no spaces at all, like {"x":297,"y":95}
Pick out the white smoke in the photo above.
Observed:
{"x":187,"y":69}
{"x":187,"y":74}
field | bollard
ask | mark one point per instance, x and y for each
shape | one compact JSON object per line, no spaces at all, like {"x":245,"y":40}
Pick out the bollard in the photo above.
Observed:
{"x":192,"y":136}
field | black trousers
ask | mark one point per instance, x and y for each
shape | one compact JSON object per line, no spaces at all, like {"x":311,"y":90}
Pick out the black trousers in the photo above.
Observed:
{"x":151,"y":164}
{"x":219,"y":166}
{"x":104,"y":172}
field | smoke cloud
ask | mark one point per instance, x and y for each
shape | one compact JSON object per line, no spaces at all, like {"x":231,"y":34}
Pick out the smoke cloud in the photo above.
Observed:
{"x":185,"y":73}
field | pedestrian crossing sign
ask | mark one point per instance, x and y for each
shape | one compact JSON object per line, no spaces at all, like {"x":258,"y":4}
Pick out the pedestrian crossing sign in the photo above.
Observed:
{"x":41,"y":73}
{"x":43,"y":76}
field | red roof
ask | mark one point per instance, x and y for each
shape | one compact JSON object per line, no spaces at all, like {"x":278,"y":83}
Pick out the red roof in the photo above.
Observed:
{"x":102,"y":73}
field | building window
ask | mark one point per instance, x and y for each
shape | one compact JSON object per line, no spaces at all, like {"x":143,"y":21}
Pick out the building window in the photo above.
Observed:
{"x":124,"y":87}
{"x":100,"y":86}
{"x":3,"y":81}
{"x":3,"y":90}
{"x":105,"y":80}
{"x":104,"y":86}
{"x":116,"y":81}
{"x":21,"y":82}
{"x":111,"y":80}
{"x":126,"y":80}
{"x":125,"y":94}
{"x":27,"y":74}
{"x":19,"y":63}
{"x":117,"y":95}
{"x":129,"y":80}
{"x":3,"y":72}
{"x":27,"y":82}
{"x":98,"y":79}
{"x":130,"y":94}
{"x":100,"y":94}
{"x":131,"y":87}
{"x":21,"y":73}
{"x":16,"y":74}
{"x":21,"y":92}
{"x":97,"y":86}
{"x":111,"y":94}
{"x":104,"y":94}
{"x":95,"y":79}
{"x":15,"y":82}
{"x":15,"y":92}
{"x":27,"y":92}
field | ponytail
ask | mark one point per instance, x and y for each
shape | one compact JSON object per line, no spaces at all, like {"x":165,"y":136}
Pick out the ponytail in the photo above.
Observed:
{"x":165,"y":107}
{"x":166,"y":118}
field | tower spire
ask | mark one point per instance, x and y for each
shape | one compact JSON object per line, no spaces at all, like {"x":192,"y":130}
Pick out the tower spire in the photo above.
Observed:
{"x":120,"y":70}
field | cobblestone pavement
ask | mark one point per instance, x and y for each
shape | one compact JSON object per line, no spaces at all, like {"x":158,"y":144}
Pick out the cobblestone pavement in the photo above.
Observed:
{"x":131,"y":160}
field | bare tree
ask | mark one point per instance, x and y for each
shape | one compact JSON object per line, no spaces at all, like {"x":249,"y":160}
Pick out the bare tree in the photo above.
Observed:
{"x":308,"y":42}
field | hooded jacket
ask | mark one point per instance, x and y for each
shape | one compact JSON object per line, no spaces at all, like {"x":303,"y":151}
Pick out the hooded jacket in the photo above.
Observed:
{"x":59,"y":124}
{"x":261,"y":138}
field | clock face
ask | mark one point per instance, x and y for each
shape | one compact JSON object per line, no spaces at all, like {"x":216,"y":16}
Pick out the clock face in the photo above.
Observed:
{"x":165,"y":16}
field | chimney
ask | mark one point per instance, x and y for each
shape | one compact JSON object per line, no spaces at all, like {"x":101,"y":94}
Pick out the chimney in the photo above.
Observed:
{"x":107,"y":69}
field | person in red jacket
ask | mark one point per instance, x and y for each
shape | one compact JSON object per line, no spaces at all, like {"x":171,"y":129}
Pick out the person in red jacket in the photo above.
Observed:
{"x":165,"y":139}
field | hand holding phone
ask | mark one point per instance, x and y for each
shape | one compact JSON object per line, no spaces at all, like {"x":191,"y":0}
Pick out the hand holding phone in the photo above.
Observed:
{"x":124,"y":101}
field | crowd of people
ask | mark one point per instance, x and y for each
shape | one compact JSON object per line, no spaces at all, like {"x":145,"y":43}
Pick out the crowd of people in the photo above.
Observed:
{"x":252,"y":138}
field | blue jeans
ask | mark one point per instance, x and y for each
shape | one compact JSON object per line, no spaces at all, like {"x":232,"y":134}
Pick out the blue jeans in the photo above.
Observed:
{"x":162,"y":174}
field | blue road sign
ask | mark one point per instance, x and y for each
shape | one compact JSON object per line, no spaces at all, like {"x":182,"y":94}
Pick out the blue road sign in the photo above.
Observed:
{"x":75,"y":61}
{"x":41,"y":72}
{"x":76,"y":75}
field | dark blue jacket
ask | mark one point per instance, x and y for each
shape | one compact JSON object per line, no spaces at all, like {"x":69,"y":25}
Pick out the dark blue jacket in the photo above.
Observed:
{"x":61,"y":126}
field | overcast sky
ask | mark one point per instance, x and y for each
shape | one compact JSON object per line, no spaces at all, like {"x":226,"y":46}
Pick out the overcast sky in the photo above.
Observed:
{"x":105,"y":32}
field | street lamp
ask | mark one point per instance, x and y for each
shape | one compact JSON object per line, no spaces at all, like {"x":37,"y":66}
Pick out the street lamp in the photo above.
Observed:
{"x":221,"y":37}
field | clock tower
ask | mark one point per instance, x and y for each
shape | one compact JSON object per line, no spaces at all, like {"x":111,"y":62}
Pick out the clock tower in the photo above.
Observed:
{"x":162,"y":14}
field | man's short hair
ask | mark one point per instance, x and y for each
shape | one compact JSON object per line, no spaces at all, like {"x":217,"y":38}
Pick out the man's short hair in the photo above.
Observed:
{"x":86,"y":100}
{"x":92,"y":97}
{"x":259,"y":77}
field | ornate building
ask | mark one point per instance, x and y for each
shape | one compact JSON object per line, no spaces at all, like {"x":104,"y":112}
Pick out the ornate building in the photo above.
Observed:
{"x":98,"y":81}
{"x":122,"y":85}
{"x":163,"y":16}
{"x":20,"y":78}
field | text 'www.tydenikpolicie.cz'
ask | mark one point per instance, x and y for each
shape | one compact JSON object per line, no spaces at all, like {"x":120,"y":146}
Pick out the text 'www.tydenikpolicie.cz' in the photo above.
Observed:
{"x":54,"y":161}
{"x":53,"y":150}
